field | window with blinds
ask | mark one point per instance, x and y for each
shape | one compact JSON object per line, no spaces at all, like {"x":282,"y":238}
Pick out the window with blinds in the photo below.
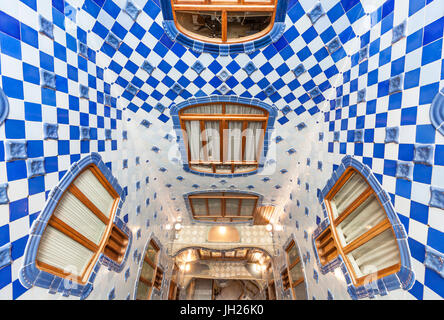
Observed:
{"x":360,"y":230}
{"x":223,"y":138}
{"x":295,"y":273}
{"x":81,"y":227}
{"x":226,"y":21}
{"x":151,"y":274}
{"x":223,"y":206}
{"x":235,"y":255}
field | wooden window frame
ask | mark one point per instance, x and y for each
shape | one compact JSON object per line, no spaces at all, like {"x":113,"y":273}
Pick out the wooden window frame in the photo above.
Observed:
{"x":223,"y":119}
{"x":173,"y":291}
{"x":222,"y":7}
{"x":113,"y":241}
{"x":334,"y":247}
{"x":223,"y":256}
{"x":292,"y":283}
{"x":156,"y":281}
{"x":223,"y":197}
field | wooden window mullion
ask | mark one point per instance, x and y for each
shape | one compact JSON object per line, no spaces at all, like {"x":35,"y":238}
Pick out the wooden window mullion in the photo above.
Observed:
{"x":221,"y":139}
{"x":146,"y":281}
{"x":84,"y":199}
{"x":373,"y":232}
{"x":72,"y":233}
{"x":151,"y":263}
{"x":204,"y":141}
{"x":224,"y":26}
{"x":244,"y":139}
{"x":297,"y":282}
{"x":294,"y":263}
{"x":354,"y":205}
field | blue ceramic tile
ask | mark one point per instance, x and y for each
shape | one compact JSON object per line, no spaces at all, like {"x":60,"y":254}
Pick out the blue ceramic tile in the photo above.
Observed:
{"x":391,"y":134}
{"x":84,"y":91}
{"x":423,"y":154}
{"x":36,"y":167}
{"x":436,"y":197}
{"x":5,"y":255}
{"x":4,"y":193}
{"x":223,"y":75}
{"x":399,"y":31}
{"x":132,"y":10}
{"x":249,"y":68}
{"x":300,"y":69}
{"x":113,"y":40}
{"x":147,"y":66}
{"x":434,"y":260}
{"x":15,"y":150}
{"x":334,"y":45}
{"x":4,"y":106}
{"x":48,"y":79}
{"x":316,"y":13}
{"x":404,"y":170}
{"x":396,"y":83}
{"x":46,"y":27}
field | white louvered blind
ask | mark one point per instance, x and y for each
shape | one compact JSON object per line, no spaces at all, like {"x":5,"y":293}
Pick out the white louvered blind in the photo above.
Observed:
{"x":62,"y":252}
{"x":74,"y":232}
{"x":378,"y":253}
{"x":363,"y":230}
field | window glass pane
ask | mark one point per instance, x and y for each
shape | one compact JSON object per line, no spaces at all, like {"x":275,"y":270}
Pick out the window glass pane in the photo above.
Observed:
{"x":293,"y":254}
{"x":215,"y":207}
{"x":247,"y":207}
{"x":204,"y":253}
{"x":221,"y":168}
{"x":378,"y":253}
{"x":202,"y":167}
{"x":240,"y":109}
{"x":142,"y":291}
{"x":247,"y":23}
{"x":194,"y":139}
{"x":151,"y":253}
{"x":300,"y":292}
{"x":230,"y":254}
{"x":201,"y":23}
{"x":241,"y":253}
{"x":91,"y":187}
{"x":234,"y":141}
{"x":349,"y":192}
{"x":231,"y":207}
{"x":205,"y":109}
{"x":212,"y":138}
{"x":199,"y":206}
{"x":147,"y":271}
{"x":76,"y":215}
{"x":296,"y":272}
{"x":361,"y":220}
{"x":244,"y":168}
{"x":253,"y":136}
{"x":60,"y":251}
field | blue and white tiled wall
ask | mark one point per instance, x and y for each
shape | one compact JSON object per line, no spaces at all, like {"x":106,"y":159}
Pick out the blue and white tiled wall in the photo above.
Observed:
{"x":97,"y":124}
{"x":314,"y":75}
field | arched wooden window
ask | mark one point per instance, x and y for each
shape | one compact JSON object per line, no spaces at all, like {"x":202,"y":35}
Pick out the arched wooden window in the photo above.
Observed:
{"x":360,"y":230}
{"x":223,"y":206}
{"x":224,"y":21}
{"x":81,"y":228}
{"x":223,"y":138}
{"x":151,"y":274}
